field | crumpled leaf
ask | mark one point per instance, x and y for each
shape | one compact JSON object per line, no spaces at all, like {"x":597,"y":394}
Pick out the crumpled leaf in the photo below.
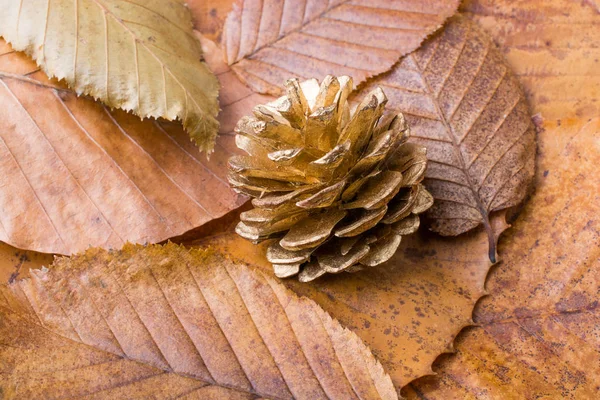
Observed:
{"x":539,"y":335}
{"x":463,"y":103}
{"x":75,"y":174}
{"x":135,"y":55}
{"x":166,"y":322}
{"x":267,"y":42}
{"x":408,"y":310}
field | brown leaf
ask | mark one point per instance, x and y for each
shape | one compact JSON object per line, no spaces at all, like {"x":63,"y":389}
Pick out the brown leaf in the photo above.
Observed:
{"x":132,"y":55}
{"x":268,"y":42}
{"x":75,"y":174}
{"x":209,"y":16}
{"x":552,"y":46}
{"x":539,"y":335}
{"x":15,"y":262}
{"x":409,"y":310}
{"x":463,"y":103}
{"x":167,"y":322}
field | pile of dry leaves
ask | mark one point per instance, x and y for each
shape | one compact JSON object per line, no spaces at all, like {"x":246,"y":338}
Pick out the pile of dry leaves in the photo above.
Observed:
{"x":502,"y":94}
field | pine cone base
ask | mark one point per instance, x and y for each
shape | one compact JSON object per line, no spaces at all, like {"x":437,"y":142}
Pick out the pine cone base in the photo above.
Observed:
{"x":336,"y":189}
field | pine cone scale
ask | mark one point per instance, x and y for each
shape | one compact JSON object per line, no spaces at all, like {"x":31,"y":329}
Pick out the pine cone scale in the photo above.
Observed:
{"x":337,"y":189}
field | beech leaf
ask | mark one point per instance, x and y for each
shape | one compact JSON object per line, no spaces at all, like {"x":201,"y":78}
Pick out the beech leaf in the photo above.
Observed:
{"x":538,"y":333}
{"x":408,"y":310}
{"x":135,"y":55}
{"x":464,"y":104}
{"x":163,"y":321}
{"x":267,"y":42}
{"x":75,"y":174}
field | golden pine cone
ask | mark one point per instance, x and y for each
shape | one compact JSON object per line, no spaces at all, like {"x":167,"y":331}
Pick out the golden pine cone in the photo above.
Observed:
{"x":338,"y":189}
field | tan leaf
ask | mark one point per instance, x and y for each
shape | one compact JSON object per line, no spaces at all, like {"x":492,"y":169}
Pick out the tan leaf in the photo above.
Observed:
{"x":14,"y":261}
{"x":552,"y":46}
{"x":209,"y":17}
{"x":134,"y":55}
{"x":539,"y":335}
{"x":75,"y":174}
{"x":267,"y":42}
{"x":409,"y":310}
{"x":163,"y":321}
{"x":463,"y":103}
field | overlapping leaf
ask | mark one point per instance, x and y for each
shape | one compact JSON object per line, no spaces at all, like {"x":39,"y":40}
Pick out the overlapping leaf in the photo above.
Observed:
{"x":539,"y":335}
{"x":165,"y":322}
{"x":75,"y":174}
{"x":552,"y":46}
{"x":464,"y":104}
{"x":269,"y":41}
{"x":408,"y":310}
{"x":134,"y":55}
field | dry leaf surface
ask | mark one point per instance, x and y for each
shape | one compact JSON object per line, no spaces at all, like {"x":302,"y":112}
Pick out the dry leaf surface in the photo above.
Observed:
{"x":166,"y":322}
{"x":553,"y":48}
{"x":267,"y":41}
{"x":135,"y":55}
{"x":540,"y":331}
{"x":75,"y":174}
{"x":464,"y":104}
{"x":408,"y":310}
{"x":539,"y":335}
{"x":14,"y":263}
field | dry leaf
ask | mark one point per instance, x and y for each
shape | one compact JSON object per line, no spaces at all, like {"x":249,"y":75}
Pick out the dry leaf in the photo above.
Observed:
{"x":209,"y":17}
{"x":268,"y":42}
{"x":75,"y":174}
{"x":463,"y":103}
{"x":13,"y":262}
{"x":409,"y":310}
{"x":539,"y":334}
{"x":167,"y":322}
{"x":553,"y":48}
{"x":134,"y":55}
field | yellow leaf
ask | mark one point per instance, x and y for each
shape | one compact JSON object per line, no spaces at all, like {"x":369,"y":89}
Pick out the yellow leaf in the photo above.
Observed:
{"x":140,"y":56}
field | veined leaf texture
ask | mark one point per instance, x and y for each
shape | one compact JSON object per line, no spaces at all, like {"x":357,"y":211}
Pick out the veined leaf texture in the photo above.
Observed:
{"x":76,"y":174}
{"x":135,"y":55}
{"x":163,"y":321}
{"x":267,"y":42}
{"x":538,"y":333}
{"x":465,"y":105}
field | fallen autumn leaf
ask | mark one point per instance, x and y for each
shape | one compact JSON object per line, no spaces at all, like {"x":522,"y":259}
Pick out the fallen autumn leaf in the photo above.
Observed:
{"x":163,"y":321}
{"x":268,"y":42}
{"x":134,"y":55}
{"x":464,"y":104}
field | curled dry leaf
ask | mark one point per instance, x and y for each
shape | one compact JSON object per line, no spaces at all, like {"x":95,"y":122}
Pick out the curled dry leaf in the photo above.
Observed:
{"x":539,"y":334}
{"x":166,"y":322}
{"x":463,"y":103}
{"x":408,"y":310}
{"x":134,"y":55}
{"x":75,"y":174}
{"x":267,"y":42}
